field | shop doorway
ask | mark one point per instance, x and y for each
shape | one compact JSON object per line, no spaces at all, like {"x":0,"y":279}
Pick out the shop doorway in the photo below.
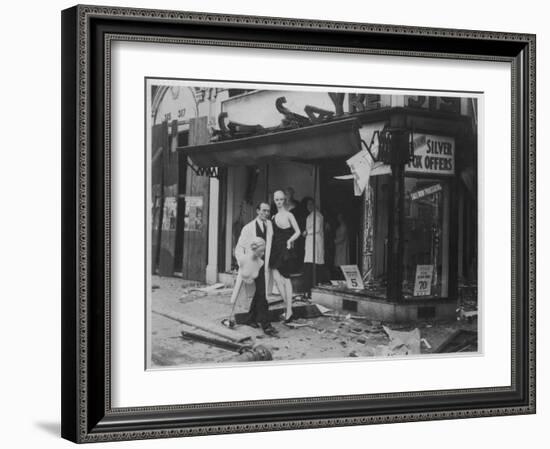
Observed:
{"x":342,"y":212}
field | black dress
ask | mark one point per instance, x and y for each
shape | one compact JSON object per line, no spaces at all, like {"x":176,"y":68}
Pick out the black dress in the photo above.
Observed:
{"x":300,"y":214}
{"x":281,"y":258}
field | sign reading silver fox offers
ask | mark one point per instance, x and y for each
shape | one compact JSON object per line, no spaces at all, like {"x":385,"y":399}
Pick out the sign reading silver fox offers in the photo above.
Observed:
{"x":432,"y":154}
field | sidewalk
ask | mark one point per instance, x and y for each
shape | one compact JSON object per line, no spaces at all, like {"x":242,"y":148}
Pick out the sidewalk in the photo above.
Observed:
{"x":315,"y":338}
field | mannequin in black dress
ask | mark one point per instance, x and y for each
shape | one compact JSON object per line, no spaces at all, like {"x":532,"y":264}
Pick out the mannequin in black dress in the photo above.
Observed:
{"x":299,"y":211}
{"x":281,"y":260}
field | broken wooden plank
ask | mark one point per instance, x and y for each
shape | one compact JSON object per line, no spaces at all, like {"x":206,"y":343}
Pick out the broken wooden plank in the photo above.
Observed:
{"x":246,"y":353}
{"x":210,"y":340}
{"x":213,"y":328}
{"x":346,"y":317}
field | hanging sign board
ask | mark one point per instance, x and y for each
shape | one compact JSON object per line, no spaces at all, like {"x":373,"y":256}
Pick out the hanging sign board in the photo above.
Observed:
{"x":423,"y":280}
{"x":360,"y":165}
{"x":353,"y":276}
{"x":432,"y":154}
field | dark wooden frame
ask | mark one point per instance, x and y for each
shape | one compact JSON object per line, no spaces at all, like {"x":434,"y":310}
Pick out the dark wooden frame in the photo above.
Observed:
{"x":87,"y":33}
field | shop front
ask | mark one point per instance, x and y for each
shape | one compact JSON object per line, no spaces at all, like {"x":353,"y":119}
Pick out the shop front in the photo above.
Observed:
{"x":410,"y":232}
{"x":419,"y":241}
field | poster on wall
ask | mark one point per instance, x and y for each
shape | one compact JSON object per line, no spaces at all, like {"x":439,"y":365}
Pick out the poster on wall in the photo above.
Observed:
{"x":193,"y":213}
{"x":169,"y":214}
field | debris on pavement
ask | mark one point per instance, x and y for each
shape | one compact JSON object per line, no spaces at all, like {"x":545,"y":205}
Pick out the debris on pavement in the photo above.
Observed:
{"x":298,"y":324}
{"x":209,"y":288}
{"x":196,"y":291}
{"x":461,"y":340}
{"x":426,"y":343}
{"x":316,"y":333}
{"x":322,"y":309}
{"x":371,"y":329}
{"x":403,"y":343}
{"x":346,"y":317}
{"x":468,"y":315}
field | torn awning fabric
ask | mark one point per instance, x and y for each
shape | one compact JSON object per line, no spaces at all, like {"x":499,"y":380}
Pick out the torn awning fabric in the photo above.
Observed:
{"x":338,"y":138}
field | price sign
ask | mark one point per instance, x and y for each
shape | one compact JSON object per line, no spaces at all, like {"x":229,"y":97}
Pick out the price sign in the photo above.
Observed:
{"x":423,"y":280}
{"x":353,"y":276}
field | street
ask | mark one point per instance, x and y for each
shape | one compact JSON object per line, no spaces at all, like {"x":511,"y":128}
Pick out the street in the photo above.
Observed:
{"x":339,"y":335}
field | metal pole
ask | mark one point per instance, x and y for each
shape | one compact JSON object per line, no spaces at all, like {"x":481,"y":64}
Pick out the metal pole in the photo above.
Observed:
{"x":314,"y":277}
{"x":395,"y":250}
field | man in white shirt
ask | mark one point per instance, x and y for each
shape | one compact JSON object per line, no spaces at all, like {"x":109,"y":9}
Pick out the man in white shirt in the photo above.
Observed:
{"x":258,"y":314}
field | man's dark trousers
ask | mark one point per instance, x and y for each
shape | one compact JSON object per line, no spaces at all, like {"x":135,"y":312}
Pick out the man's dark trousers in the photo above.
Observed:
{"x":259,"y":308}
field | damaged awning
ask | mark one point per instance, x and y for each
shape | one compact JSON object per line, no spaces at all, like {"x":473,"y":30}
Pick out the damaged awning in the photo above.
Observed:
{"x":339,"y":138}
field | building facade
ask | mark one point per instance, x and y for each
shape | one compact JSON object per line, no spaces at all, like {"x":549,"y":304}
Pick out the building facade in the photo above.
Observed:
{"x":412,"y":228}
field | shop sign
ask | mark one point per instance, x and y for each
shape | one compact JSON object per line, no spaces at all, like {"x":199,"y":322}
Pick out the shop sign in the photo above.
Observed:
{"x":353,"y":276}
{"x":423,"y":280}
{"x":425,"y":192}
{"x":432,"y":154}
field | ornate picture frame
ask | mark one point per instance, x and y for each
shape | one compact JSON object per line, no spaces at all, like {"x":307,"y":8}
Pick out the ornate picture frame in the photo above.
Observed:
{"x":88,"y":33}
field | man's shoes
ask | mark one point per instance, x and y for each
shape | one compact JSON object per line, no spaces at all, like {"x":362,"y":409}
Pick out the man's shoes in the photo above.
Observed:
{"x":271,"y":331}
{"x":252,"y":324}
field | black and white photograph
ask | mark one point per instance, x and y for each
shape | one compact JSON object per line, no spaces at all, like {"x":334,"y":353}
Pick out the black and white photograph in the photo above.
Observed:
{"x":300,"y":223}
